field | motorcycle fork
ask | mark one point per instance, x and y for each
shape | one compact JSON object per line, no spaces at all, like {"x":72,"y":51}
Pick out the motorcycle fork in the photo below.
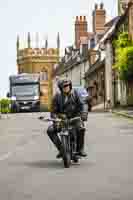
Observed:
{"x":67,"y":142}
{"x":73,"y":142}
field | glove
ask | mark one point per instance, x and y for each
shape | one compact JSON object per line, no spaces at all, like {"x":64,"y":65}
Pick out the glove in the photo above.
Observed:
{"x":84,"y":116}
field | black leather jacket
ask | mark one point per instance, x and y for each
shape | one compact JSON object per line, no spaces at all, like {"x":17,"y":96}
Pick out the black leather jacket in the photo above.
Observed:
{"x":74,"y":106}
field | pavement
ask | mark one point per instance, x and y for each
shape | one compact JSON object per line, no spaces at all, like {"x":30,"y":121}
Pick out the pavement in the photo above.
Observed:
{"x":29,"y":169}
{"x":121,"y":111}
{"x":125,"y":112}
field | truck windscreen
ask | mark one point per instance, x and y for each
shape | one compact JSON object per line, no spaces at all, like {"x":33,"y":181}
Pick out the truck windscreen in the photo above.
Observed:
{"x":25,"y":90}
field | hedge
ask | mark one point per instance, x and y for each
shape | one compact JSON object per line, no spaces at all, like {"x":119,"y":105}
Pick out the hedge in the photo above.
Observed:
{"x":5,"y":105}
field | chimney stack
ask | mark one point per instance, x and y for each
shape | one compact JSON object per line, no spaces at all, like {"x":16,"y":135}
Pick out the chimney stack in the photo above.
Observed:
{"x":81,"y":29}
{"x":99,"y":19}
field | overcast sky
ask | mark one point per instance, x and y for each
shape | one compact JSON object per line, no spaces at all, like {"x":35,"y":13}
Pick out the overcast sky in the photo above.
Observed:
{"x":45,"y":17}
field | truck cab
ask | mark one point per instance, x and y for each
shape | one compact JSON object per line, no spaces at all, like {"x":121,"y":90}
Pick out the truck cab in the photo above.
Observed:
{"x":25,"y":92}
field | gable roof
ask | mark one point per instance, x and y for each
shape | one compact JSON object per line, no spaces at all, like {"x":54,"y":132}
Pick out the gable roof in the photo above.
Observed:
{"x":112,"y":21}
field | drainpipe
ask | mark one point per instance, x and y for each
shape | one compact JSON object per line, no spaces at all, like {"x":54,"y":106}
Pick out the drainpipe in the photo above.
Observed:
{"x":104,"y":89}
{"x":84,"y":73}
{"x":80,"y":76}
{"x":108,"y":74}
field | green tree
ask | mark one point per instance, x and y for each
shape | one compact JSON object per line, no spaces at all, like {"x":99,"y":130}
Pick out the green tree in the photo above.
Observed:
{"x":124,"y":56}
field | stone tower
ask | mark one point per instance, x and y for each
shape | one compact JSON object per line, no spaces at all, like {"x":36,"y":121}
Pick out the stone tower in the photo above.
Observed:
{"x":42,"y":61}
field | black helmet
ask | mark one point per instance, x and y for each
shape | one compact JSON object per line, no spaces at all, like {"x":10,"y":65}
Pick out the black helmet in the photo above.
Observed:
{"x":63,"y":82}
{"x":59,"y":84}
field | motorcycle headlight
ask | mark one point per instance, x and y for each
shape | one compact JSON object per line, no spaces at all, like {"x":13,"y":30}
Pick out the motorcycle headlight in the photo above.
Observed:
{"x":13,"y":98}
{"x":36,"y":97}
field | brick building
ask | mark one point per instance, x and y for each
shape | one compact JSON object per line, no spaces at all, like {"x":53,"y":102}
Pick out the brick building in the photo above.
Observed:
{"x":78,"y":58}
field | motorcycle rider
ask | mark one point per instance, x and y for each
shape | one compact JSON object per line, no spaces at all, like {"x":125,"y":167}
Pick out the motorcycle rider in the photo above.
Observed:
{"x":67,"y":103}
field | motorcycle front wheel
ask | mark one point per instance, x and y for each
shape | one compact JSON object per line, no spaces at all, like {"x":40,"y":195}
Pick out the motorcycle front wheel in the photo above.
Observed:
{"x":66,"y":153}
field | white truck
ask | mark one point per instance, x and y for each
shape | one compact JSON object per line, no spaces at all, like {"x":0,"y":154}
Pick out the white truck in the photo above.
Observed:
{"x":25,"y":92}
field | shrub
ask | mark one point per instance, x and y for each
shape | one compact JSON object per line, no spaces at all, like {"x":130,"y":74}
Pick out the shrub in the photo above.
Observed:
{"x":122,"y":41}
{"x":5,"y":105}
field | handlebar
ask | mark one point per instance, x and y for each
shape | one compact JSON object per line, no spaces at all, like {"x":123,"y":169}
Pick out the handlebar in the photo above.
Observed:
{"x":56,"y":120}
{"x":75,"y":119}
{"x":49,"y":119}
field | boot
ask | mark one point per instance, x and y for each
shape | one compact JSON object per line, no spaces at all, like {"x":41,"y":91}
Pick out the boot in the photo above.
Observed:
{"x":55,"y":139}
{"x":80,"y":145}
{"x":59,"y":155}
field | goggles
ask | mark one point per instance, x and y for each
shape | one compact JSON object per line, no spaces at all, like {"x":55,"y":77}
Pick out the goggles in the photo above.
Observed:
{"x":66,"y":85}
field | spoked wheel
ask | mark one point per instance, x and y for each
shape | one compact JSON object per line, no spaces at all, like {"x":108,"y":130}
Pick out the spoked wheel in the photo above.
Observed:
{"x":66,"y":153}
{"x":67,"y":160}
{"x":74,"y":156}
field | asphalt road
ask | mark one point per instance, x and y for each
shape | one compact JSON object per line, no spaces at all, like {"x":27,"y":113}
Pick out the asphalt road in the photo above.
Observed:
{"x":29,"y":169}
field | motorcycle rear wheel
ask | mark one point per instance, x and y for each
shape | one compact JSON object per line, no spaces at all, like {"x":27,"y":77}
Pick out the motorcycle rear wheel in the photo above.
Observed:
{"x":76,"y":160}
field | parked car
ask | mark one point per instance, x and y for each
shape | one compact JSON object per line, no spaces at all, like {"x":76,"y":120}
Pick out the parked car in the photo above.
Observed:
{"x":84,"y":94}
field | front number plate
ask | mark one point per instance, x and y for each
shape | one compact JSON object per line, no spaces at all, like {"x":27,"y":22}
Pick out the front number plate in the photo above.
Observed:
{"x":25,"y":107}
{"x":64,"y":133}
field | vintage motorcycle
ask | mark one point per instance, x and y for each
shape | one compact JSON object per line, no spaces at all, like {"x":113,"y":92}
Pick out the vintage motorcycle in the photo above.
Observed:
{"x":68,"y":137}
